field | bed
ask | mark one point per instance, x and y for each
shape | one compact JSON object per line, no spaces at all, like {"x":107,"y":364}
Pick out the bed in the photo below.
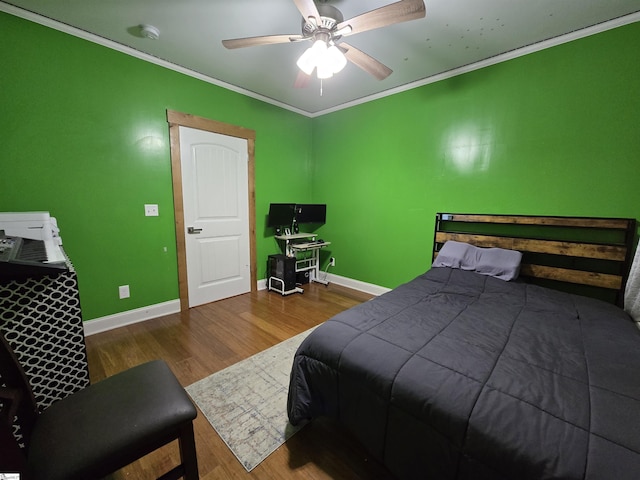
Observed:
{"x":459,"y":374}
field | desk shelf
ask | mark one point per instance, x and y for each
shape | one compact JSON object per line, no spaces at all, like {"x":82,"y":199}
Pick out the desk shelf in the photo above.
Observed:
{"x":306,"y":253}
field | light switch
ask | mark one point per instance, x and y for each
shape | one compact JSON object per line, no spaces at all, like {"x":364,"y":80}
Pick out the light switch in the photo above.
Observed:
{"x":150,"y":210}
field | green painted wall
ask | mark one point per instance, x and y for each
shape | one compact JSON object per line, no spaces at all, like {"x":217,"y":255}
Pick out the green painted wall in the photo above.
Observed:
{"x":84,"y":136}
{"x":551,"y":133}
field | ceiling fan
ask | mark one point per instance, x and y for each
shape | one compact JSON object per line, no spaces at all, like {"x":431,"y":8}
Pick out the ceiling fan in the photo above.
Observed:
{"x":325,"y":26}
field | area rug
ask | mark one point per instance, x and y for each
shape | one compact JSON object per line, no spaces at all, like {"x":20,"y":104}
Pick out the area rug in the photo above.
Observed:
{"x":246,"y":403}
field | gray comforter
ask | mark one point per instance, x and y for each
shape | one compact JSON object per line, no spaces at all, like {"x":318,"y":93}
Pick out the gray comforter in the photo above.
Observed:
{"x":459,"y":375}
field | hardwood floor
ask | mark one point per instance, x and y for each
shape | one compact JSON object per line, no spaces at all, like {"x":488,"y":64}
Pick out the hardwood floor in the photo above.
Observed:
{"x":211,"y":337}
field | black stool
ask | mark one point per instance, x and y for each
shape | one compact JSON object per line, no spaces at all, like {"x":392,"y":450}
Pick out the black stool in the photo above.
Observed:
{"x":97,"y":430}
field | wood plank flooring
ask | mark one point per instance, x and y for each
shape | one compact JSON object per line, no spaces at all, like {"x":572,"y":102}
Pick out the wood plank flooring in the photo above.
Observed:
{"x":207,"y":339}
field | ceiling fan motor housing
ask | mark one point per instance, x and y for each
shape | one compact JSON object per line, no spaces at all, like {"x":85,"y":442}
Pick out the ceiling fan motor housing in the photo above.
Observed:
{"x":330,"y":17}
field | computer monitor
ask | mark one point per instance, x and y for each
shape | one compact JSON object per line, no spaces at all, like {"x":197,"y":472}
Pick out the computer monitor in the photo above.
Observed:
{"x":281,"y":214}
{"x":311,"y":213}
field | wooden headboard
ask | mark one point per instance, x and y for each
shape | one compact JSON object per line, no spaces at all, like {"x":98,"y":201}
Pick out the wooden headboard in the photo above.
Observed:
{"x":588,"y":256}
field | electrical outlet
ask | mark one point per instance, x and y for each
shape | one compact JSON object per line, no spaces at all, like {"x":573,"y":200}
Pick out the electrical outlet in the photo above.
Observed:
{"x":123,"y":291}
{"x":332,"y":261}
{"x":151,"y":210}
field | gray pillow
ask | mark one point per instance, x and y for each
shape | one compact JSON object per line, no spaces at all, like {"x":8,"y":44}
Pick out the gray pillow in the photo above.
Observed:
{"x":499,"y":263}
{"x":496,"y":262}
{"x":456,"y":255}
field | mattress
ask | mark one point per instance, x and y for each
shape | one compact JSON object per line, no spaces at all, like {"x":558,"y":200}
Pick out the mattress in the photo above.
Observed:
{"x":459,"y":375}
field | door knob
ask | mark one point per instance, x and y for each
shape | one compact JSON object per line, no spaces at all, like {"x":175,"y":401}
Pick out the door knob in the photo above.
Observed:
{"x":193,"y":231}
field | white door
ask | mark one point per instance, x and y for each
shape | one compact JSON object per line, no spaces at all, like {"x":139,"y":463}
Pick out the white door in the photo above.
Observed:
{"x":216,"y":214}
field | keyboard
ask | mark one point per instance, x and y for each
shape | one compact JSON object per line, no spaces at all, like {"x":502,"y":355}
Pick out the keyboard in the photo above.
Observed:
{"x":307,"y":245}
{"x":25,"y":258}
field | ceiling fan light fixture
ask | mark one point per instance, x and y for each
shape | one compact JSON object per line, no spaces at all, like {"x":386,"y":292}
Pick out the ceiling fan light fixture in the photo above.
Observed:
{"x":324,"y":71}
{"x":319,"y":50}
{"x":307,"y":61}
{"x":312,"y":56}
{"x":327,"y":60}
{"x":336,"y":59}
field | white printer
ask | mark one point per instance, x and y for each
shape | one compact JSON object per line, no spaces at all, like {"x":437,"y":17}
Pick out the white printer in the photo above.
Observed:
{"x":32,"y":225}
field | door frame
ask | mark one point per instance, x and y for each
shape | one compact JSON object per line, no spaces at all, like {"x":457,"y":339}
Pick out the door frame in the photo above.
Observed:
{"x":177,"y":120}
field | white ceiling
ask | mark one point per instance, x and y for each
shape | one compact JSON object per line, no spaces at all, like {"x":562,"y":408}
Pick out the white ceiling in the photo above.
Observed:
{"x":455,"y":35}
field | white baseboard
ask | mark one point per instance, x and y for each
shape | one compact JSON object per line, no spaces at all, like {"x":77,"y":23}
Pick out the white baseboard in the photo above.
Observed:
{"x":103,"y":324}
{"x":365,"y":287}
{"x":129,"y":317}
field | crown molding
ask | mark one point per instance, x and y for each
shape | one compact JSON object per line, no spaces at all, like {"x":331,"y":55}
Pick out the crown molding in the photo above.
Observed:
{"x":519,"y":52}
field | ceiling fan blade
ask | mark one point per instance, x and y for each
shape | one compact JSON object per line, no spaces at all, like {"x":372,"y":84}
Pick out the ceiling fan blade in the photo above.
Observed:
{"x":308,"y":9}
{"x":397,"y":12}
{"x":365,"y":62}
{"x":265,"y":40}
{"x":302,"y":80}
